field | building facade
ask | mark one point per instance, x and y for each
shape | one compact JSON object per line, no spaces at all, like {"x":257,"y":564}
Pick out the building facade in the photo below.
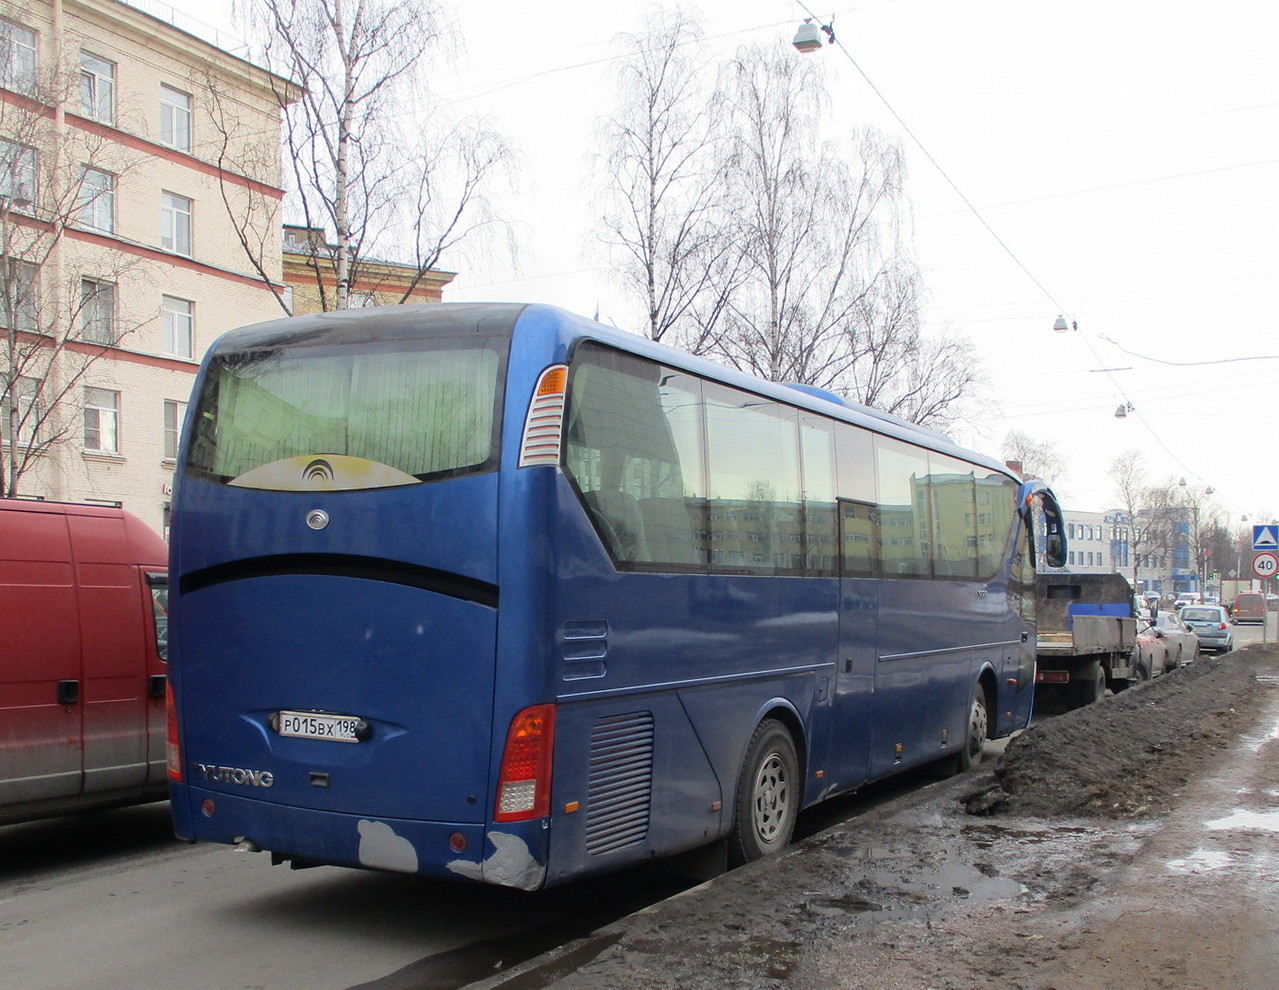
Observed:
{"x":311,"y":277}
{"x":136,"y":161}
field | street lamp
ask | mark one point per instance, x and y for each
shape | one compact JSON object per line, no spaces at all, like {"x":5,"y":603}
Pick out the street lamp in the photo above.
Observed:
{"x":809,"y":36}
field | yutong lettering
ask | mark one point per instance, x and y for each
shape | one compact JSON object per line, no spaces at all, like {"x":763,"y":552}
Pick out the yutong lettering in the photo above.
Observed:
{"x":236,"y":775}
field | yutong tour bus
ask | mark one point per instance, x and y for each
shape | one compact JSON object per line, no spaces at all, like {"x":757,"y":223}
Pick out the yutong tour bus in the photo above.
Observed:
{"x":495,"y":592}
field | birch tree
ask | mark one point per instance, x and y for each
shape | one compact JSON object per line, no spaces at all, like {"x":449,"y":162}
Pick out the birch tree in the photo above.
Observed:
{"x":828,"y":295}
{"x":663,"y":195}
{"x":1151,"y":509}
{"x":371,"y":163}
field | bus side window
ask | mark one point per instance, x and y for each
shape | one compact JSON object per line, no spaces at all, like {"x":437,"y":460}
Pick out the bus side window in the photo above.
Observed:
{"x":955,"y":541}
{"x":859,"y":507}
{"x":627,"y":453}
{"x":904,"y":516}
{"x":754,"y":483}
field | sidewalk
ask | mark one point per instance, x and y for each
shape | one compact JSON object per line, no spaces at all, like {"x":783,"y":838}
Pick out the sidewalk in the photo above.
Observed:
{"x":918,"y":895}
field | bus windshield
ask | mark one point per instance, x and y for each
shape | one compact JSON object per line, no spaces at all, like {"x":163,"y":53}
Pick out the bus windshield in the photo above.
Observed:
{"x":381,"y":414}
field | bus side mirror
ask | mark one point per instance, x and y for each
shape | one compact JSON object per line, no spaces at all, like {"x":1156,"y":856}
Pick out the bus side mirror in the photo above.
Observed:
{"x":1055,"y":552}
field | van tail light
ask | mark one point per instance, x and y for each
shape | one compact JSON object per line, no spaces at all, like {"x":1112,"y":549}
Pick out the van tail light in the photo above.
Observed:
{"x":524,"y":782}
{"x":173,"y":748}
{"x":544,"y":425}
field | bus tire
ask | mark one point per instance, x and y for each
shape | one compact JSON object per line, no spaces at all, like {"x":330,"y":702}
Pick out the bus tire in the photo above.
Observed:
{"x":768,"y":795}
{"x":977,"y":732}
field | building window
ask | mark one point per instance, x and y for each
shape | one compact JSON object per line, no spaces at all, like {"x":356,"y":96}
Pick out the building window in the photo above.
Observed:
{"x":97,"y":88}
{"x":17,"y":174}
{"x":17,"y":57}
{"x":179,"y":320}
{"x":97,"y":311}
{"x":175,"y":224}
{"x":101,"y":420}
{"x":97,"y":200}
{"x":174,"y":412}
{"x":30,"y":410}
{"x":175,"y":118}
{"x":20,"y":306}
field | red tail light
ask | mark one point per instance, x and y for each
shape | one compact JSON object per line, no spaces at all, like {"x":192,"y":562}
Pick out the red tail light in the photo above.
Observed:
{"x":524,"y":782}
{"x":173,"y":747}
{"x":1223,"y":626}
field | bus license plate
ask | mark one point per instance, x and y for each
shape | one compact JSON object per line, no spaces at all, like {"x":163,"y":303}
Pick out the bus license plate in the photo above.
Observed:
{"x":309,"y":725}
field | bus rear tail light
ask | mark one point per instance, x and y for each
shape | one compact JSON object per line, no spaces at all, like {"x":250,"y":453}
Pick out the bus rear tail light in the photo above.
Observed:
{"x":173,"y":747}
{"x":544,"y":425}
{"x":524,"y":782}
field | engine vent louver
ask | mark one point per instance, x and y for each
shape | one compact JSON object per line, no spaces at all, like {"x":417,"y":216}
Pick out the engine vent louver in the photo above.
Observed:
{"x":620,"y":788}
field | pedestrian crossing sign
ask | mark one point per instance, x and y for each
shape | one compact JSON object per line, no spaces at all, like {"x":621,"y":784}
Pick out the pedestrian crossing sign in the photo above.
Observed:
{"x":1265,"y":537}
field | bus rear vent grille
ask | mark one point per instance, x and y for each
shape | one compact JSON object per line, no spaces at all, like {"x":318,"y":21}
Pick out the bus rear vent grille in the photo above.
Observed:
{"x":620,"y":789}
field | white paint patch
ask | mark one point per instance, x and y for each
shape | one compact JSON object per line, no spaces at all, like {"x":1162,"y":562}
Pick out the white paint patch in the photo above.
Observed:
{"x":1248,"y":821}
{"x":511,"y":865}
{"x":1201,"y":861}
{"x":382,"y":849}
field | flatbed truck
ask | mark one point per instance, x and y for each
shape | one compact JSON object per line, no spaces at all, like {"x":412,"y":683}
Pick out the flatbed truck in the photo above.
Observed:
{"x":1086,"y":636}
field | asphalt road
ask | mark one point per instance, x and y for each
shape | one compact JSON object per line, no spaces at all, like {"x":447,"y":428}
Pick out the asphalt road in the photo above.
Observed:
{"x":110,"y":901}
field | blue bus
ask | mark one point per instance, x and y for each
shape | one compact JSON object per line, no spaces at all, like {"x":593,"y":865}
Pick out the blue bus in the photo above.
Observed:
{"x":494,"y":592}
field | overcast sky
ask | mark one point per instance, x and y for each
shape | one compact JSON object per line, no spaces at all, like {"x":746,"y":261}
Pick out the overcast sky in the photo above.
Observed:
{"x":1125,"y":154}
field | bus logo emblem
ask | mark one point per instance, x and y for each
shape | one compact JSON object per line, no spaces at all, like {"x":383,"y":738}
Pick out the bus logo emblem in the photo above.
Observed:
{"x":319,"y":473}
{"x":317,"y":519}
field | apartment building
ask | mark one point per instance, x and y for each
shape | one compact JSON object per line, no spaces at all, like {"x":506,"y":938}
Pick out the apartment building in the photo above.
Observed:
{"x":136,"y":162}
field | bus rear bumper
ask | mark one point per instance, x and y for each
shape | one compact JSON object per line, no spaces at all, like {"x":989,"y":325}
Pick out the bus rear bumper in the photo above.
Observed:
{"x":498,"y":854}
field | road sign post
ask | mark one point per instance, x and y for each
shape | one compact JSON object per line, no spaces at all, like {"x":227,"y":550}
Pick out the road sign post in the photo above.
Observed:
{"x":1265,"y":565}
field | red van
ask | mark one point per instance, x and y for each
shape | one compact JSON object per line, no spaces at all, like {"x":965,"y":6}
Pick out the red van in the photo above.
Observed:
{"x":83,"y":631}
{"x":1250,"y":606}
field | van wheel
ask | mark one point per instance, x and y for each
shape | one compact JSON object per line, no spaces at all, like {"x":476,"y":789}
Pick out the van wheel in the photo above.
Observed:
{"x":768,"y":795}
{"x":978,"y":730}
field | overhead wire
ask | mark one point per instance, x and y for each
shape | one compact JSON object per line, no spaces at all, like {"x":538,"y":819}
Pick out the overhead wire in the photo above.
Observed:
{"x":1130,"y":409}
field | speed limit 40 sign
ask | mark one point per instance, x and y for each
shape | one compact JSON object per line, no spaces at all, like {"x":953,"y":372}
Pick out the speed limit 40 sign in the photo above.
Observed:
{"x":1265,"y":565}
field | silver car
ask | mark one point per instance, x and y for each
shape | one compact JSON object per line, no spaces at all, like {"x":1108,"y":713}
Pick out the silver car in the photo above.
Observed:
{"x":1211,"y":623}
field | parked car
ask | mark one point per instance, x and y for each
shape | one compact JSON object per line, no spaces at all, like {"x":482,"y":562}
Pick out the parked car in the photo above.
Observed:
{"x":1182,"y":643}
{"x":1211,"y":623}
{"x":1250,"y":606}
{"x":1151,"y":651}
{"x":1186,"y":598}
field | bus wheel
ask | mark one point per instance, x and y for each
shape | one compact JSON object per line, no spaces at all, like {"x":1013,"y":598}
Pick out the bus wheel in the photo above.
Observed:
{"x":768,"y":795}
{"x":978,"y":729}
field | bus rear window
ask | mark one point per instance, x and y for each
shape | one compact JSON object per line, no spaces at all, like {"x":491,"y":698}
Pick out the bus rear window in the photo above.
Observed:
{"x":360,"y":415}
